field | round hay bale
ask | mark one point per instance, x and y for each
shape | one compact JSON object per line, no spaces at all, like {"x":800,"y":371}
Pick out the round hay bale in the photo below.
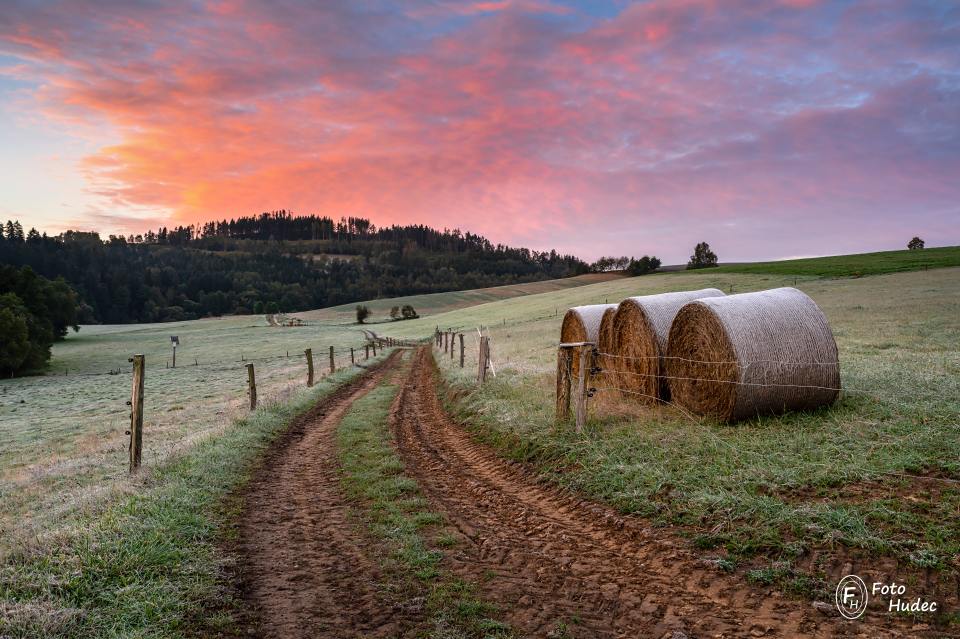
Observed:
{"x":755,"y":353}
{"x":582,"y":324}
{"x":641,"y":327}
{"x":605,"y":344}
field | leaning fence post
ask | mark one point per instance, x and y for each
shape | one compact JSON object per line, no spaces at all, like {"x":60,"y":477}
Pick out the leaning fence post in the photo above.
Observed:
{"x":309,"y":353}
{"x":252,"y":383}
{"x":564,"y":371}
{"x":136,"y":412}
{"x":583,"y":377}
{"x":333,"y":365}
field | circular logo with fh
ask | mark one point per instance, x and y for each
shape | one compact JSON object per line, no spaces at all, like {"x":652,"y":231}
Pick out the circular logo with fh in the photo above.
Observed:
{"x":852,"y":597}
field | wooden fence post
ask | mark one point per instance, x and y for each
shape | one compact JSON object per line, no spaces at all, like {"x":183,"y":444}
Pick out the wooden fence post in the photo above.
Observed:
{"x":252,"y":383}
{"x":136,"y":412}
{"x":366,"y":351}
{"x":374,"y":345}
{"x":461,"y":350}
{"x":351,"y":356}
{"x":333,"y":365}
{"x":564,"y":371}
{"x":446,"y":340}
{"x":484,"y":359}
{"x":586,"y":363}
{"x":309,"y":353}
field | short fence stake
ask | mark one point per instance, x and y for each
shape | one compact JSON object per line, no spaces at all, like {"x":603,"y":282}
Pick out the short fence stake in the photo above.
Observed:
{"x":366,"y":351}
{"x":461,"y":350}
{"x":484,"y":359}
{"x":309,"y":353}
{"x":374,"y":345}
{"x":136,"y":412}
{"x":333,"y":366}
{"x":351,"y":356}
{"x":564,"y":371}
{"x":252,"y":383}
{"x":583,"y":378}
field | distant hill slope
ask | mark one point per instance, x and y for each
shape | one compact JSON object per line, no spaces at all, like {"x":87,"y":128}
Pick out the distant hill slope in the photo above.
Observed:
{"x":854,"y":265}
{"x":270,"y":263}
{"x":434,"y":303}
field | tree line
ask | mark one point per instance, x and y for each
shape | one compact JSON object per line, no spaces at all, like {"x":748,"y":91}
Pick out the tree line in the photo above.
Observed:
{"x":289,"y":263}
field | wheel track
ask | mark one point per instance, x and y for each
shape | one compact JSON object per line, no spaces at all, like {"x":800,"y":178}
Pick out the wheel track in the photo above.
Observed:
{"x":546,"y":556}
{"x":306,"y":567}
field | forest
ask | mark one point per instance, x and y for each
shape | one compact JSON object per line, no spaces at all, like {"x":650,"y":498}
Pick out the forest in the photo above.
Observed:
{"x":296,"y":262}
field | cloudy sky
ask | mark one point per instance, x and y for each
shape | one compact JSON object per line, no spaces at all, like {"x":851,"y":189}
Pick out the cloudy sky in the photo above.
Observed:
{"x":768,"y":128}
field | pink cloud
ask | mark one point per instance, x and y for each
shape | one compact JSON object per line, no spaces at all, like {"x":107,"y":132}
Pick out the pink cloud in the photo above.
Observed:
{"x":665,"y":121}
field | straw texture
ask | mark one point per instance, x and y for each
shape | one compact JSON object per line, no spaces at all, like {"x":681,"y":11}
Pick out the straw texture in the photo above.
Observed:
{"x":750,"y":354}
{"x":605,"y":344}
{"x":582,"y":324}
{"x":641,"y":327}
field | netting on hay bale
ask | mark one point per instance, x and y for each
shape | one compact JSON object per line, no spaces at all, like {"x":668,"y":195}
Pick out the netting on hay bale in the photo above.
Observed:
{"x":605,"y":344}
{"x":582,"y":324}
{"x":754,"y":353}
{"x":641,"y":328}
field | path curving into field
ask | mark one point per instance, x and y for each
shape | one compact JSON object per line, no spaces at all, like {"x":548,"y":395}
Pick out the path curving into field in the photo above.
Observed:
{"x":306,"y":566}
{"x":545,"y":556}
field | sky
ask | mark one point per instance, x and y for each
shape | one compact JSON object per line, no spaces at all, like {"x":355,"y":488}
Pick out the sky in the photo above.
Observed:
{"x":769,"y":128}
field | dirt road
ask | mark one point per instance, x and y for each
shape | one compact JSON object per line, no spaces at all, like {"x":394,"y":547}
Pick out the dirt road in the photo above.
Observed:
{"x":547,"y":557}
{"x":553,"y":563}
{"x":307,"y":567}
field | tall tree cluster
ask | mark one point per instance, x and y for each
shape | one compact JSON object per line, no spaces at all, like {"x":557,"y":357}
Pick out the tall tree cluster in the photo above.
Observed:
{"x":34,"y":312}
{"x":293,"y":263}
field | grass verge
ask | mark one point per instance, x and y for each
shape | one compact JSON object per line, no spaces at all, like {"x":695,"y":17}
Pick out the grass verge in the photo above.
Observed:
{"x":397,"y":514}
{"x":148,"y":565}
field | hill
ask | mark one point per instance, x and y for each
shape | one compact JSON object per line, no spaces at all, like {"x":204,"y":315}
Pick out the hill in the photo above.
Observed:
{"x":854,"y":265}
{"x":250,"y":265}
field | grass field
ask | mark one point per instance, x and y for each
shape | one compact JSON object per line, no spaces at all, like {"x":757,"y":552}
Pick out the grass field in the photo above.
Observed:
{"x":769,"y":490}
{"x":62,"y":441}
{"x":434,"y":303}
{"x":772,"y":488}
{"x":855,"y":265}
{"x":148,"y":563}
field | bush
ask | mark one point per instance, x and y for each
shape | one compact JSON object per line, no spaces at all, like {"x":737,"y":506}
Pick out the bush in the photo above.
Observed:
{"x":362,"y":313}
{"x":409,"y":312}
{"x":395,"y":313}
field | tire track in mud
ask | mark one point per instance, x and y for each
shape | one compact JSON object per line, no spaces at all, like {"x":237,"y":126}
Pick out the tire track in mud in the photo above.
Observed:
{"x":545,"y":556}
{"x":307,"y":570}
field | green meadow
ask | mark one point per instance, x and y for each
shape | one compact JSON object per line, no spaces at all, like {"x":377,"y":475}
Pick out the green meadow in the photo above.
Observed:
{"x":874,"y":476}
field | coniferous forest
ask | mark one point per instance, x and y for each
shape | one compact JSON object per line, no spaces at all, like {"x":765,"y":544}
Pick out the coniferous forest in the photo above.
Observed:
{"x":297,"y":263}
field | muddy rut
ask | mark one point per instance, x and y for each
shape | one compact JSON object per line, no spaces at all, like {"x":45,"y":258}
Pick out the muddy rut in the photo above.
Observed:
{"x":546,"y":557}
{"x":305,"y":565}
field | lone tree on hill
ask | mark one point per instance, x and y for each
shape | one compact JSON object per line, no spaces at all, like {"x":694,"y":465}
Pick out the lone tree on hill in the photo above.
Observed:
{"x":915,"y":244}
{"x":702,"y":257}
{"x":362,"y":313}
{"x":409,"y":312}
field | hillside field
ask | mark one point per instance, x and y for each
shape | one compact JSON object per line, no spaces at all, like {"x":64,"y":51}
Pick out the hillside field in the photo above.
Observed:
{"x":783,"y":500}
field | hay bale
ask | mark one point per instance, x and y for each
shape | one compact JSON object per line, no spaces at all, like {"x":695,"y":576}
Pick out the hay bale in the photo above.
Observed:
{"x":582,"y":324}
{"x":605,"y":344}
{"x":768,"y":352}
{"x":641,"y":327}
